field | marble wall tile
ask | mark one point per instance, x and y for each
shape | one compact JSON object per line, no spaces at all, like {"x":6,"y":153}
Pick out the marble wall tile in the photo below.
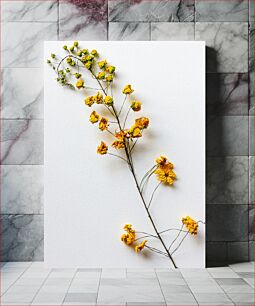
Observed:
{"x":25,"y":48}
{"x":22,"y":142}
{"x":234,"y":10}
{"x":237,"y":251}
{"x":251,"y":222}
{"x":251,"y":68}
{"x":251,"y":180}
{"x":227,"y":45}
{"x":129,"y":31}
{"x":22,"y":93}
{"x":227,"y":180}
{"x":153,"y":10}
{"x":22,"y":237}
{"x":216,"y":252}
{"x":227,"y":135}
{"x":251,"y":250}
{"x":83,"y":20}
{"x":172,"y":31}
{"x":251,"y":135}
{"x":251,"y":93}
{"x":22,"y":189}
{"x":227,"y":222}
{"x":251,"y":10}
{"x":227,"y":93}
{"x":29,"y":10}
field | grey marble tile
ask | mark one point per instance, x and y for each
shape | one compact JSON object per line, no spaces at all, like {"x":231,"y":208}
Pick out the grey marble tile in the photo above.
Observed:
{"x":25,"y":48}
{"x":180,"y":299}
{"x":227,"y":93}
{"x":227,"y":135}
{"x":227,"y":45}
{"x":251,"y":10}
{"x":172,"y":31}
{"x":216,"y":253}
{"x":22,"y":93}
{"x":251,"y":179}
{"x":83,"y":20}
{"x":22,"y":142}
{"x":213,"y":299}
{"x":22,"y":189}
{"x":29,"y":10}
{"x":227,"y":223}
{"x":251,"y":135}
{"x":227,"y":180}
{"x":251,"y":222}
{"x":238,"y":251}
{"x":213,"y":10}
{"x":153,"y":10}
{"x":22,"y":237}
{"x":242,"y":299}
{"x":251,"y":250}
{"x":230,"y":281}
{"x":81,"y":297}
{"x":251,"y":46}
{"x":251,"y":93}
{"x":129,"y":31}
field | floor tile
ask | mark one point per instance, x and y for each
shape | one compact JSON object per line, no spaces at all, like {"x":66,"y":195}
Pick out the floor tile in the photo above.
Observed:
{"x":49,"y":298}
{"x":243,"y":267}
{"x":81,"y":297}
{"x":242,"y":299}
{"x":213,"y":299}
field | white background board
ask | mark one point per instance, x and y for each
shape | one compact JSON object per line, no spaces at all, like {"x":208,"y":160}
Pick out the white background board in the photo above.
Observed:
{"x":88,"y":197}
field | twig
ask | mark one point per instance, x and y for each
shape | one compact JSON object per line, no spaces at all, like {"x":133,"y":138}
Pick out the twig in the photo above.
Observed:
{"x":180,"y":243}
{"x":153,"y":194}
{"x":175,"y":238}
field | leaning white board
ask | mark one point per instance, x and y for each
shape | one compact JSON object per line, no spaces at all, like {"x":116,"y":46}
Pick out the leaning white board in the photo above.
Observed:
{"x":88,"y":197}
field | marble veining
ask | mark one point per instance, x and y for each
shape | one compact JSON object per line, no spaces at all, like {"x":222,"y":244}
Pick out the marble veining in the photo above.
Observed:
{"x":172,"y":31}
{"x":227,"y":93}
{"x":83,"y":20}
{"x":22,"y":93}
{"x":234,"y":10}
{"x":22,"y":189}
{"x":153,"y":10}
{"x":22,"y":142}
{"x":227,"y":45}
{"x":29,"y":10}
{"x":129,"y":31}
{"x":22,"y":237}
{"x":226,"y":180}
{"x":25,"y":48}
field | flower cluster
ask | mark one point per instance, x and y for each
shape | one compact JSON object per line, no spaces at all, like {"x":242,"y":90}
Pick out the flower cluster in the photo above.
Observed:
{"x":191,"y":225}
{"x":164,"y":171}
{"x":129,"y":238}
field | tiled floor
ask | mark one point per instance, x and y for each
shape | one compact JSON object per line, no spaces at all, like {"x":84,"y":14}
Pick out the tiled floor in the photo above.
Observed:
{"x":27,"y":283}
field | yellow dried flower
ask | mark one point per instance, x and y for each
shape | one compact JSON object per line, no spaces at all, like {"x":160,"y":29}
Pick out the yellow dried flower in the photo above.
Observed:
{"x":136,"y":106}
{"x":118,"y":144}
{"x":140,"y":246}
{"x":135,"y":131}
{"x":161,"y":160}
{"x":102,"y":148}
{"x":80,"y":84}
{"x":101,"y":75}
{"x":165,"y":174}
{"x":127,"y":89}
{"x":108,"y":100}
{"x":94,"y":117}
{"x":94,"y":52}
{"x":110,"y":69}
{"x":98,"y":98}
{"x":191,"y":225}
{"x":142,"y":122}
{"x":89,"y":101}
{"x":109,"y":78}
{"x":103,"y":124}
{"x":102,"y":64}
{"x":128,"y":238}
{"x":88,"y":65}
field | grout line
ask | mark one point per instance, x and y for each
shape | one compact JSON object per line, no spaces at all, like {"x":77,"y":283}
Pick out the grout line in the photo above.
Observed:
{"x":69,"y":286}
{"x":98,"y":286}
{"x":160,"y":286}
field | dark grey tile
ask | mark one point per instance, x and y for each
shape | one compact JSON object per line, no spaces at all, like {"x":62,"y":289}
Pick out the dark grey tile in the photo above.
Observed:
{"x":153,"y":10}
{"x":251,"y":135}
{"x":80,"y":297}
{"x":22,"y":189}
{"x":251,"y":222}
{"x":251,"y":250}
{"x":216,"y":253}
{"x":22,"y":237}
{"x":238,"y":252}
{"x":227,"y":45}
{"x":213,"y":10}
{"x":83,"y":20}
{"x":251,"y":180}
{"x":227,"y":223}
{"x":22,"y":142}
{"x":172,"y":31}
{"x":129,"y":31}
{"x":227,"y":135}
{"x":227,"y":180}
{"x":227,"y":93}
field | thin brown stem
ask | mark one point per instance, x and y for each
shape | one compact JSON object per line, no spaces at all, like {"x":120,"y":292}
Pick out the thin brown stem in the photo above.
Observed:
{"x":153,"y":194}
